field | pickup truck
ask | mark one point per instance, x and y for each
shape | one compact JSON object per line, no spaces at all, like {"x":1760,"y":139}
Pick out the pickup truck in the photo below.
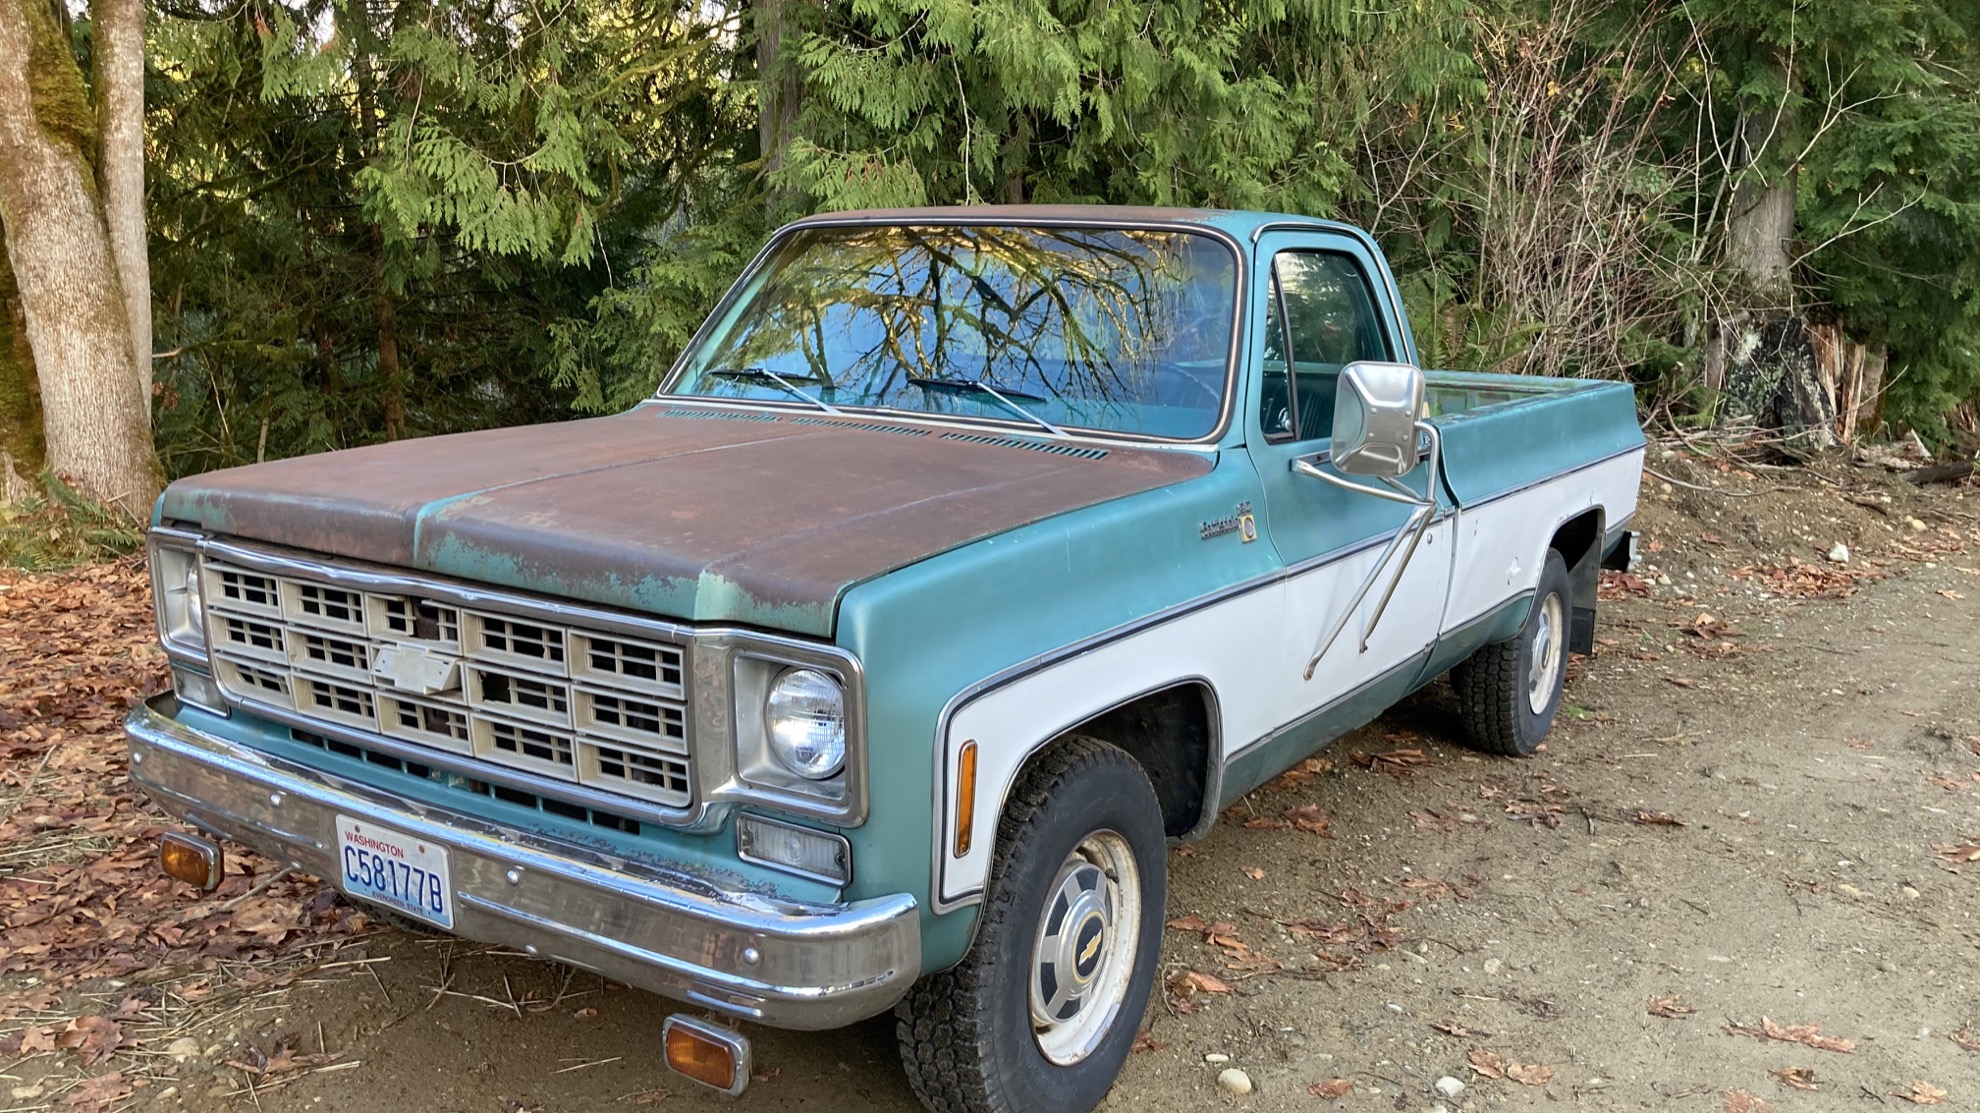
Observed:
{"x":966,"y":560}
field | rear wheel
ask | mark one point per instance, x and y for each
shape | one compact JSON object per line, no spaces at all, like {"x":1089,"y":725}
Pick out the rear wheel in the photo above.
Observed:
{"x":1510,"y":691}
{"x":1042,"y":1011}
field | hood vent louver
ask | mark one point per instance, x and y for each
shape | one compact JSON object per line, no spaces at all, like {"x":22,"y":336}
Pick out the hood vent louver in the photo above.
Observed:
{"x":720,"y":415}
{"x":1054,"y":448}
{"x":904,"y":430}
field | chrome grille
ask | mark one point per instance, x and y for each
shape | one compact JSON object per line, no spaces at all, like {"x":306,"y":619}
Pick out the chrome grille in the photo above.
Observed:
{"x":593,"y":707}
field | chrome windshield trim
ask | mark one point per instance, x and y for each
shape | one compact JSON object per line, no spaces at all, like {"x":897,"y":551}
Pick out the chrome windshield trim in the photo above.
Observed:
{"x":1240,"y":317}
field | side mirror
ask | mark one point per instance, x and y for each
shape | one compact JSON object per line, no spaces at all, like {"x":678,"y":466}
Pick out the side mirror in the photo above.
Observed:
{"x":1375,"y":412}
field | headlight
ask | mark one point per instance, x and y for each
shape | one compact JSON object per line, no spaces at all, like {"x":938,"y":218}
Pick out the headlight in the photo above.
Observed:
{"x":806,"y":716}
{"x":175,"y":588}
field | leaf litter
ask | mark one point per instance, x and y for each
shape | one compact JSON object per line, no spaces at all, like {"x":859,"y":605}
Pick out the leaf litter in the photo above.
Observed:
{"x":82,"y":898}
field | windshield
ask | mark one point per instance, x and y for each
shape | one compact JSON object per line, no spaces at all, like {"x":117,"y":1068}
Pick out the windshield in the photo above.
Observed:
{"x":1117,"y":329}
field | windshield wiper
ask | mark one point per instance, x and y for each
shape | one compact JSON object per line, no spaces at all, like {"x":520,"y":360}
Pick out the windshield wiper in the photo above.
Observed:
{"x":765,"y":375}
{"x":968,"y":386}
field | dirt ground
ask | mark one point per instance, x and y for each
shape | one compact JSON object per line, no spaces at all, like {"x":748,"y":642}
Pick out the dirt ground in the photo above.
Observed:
{"x":1751,"y":820}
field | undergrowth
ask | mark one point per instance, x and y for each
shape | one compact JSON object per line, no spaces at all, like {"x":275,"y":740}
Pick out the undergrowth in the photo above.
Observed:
{"x":59,"y":528}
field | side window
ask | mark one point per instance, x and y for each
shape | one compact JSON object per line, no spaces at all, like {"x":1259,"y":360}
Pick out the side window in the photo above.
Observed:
{"x":1321,"y":318}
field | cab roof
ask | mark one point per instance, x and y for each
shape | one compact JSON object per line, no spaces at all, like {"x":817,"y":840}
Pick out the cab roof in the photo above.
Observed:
{"x":1238,"y":223}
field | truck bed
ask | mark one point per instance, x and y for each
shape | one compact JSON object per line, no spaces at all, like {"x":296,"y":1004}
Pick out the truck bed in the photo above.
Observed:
{"x":1505,"y":432}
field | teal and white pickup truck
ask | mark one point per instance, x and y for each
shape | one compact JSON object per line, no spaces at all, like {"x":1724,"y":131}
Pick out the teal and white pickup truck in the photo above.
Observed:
{"x":966,"y":560}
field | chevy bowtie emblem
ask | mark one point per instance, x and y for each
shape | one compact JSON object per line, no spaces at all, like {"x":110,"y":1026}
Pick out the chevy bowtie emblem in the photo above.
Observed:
{"x":415,"y":668}
{"x":1092,"y":947}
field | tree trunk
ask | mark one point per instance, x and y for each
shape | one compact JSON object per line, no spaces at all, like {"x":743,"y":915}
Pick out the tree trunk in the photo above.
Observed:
{"x":779,"y":98}
{"x":21,"y":449}
{"x":96,"y":415}
{"x":388,"y":364}
{"x":119,"y":37}
{"x":1760,"y":223}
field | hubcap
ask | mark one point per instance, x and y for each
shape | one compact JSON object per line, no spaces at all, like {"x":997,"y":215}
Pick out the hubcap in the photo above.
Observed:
{"x":1084,"y":953}
{"x":1544,"y":667}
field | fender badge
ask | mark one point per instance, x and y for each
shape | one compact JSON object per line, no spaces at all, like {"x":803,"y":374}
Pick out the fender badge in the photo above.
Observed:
{"x":1241,"y":522}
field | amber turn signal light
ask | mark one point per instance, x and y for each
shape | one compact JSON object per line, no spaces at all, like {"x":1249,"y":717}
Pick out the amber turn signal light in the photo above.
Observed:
{"x":965,"y":797}
{"x":707,"y":1054}
{"x":193,"y":861}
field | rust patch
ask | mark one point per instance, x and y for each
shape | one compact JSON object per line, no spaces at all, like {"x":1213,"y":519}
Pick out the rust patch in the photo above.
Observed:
{"x":758,"y":521}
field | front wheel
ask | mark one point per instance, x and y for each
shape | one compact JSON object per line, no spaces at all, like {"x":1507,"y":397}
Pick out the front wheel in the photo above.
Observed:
{"x":1509,"y":691}
{"x":1042,"y":1011}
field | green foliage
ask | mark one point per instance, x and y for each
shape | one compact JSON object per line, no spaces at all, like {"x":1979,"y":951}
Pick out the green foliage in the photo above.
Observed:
{"x":544,"y":202}
{"x":463,"y":180}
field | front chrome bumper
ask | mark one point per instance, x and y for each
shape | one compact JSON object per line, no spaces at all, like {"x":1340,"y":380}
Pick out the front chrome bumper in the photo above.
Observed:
{"x":783,"y":963}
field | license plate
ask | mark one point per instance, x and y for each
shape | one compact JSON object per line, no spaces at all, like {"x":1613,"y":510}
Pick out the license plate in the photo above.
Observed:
{"x":396,"y":870}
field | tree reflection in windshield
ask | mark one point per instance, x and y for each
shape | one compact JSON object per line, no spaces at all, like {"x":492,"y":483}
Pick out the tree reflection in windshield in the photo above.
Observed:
{"x":1119,"y":329}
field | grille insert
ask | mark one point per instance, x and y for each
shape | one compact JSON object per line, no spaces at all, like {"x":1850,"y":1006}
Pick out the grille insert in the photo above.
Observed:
{"x":547,"y":804}
{"x":587,"y":706}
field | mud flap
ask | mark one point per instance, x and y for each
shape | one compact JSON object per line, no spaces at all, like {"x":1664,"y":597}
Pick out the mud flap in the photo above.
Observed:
{"x":1584,"y":581}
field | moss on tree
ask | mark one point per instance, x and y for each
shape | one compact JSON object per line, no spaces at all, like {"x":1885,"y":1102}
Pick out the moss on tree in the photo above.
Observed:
{"x":20,"y":400}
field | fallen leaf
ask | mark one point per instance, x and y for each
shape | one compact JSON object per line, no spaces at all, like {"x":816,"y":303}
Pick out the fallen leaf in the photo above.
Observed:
{"x":1486,"y":1063}
{"x":1621,"y":585}
{"x":1801,"y":1078}
{"x":1807,"y":1034}
{"x":1670,"y":1008}
{"x":1658,"y":819}
{"x":1146,"y":1042}
{"x":1739,"y":1101}
{"x":1400,"y":764}
{"x":1262,"y":823}
{"x":1955,"y":856}
{"x":1311,"y":819}
{"x":1924,"y":1093}
{"x":1529,"y":1074}
{"x":1305,"y":771}
{"x":1682,"y":681}
{"x":1965,"y":1041}
{"x":1333,"y":1089}
{"x":1947,"y":783}
{"x":1435,"y":888}
{"x":1950,"y":594}
{"x":1254,"y":873}
{"x":97,"y":1093}
{"x":1196,"y":981}
{"x":92,"y":1038}
{"x":1453,"y":1028}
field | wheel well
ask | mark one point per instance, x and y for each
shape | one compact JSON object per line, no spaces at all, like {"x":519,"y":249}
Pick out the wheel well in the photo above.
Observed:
{"x":1579,"y":541}
{"x":1170,"y":733}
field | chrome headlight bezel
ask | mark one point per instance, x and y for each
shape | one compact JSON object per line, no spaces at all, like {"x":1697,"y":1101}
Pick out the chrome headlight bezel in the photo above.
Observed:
{"x":745,"y":665}
{"x":178,"y":599}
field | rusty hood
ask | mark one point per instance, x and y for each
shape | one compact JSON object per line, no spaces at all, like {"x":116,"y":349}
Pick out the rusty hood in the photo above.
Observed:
{"x":704,"y":514}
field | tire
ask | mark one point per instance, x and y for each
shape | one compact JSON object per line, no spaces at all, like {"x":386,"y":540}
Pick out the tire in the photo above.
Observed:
{"x":1509,"y":691}
{"x":967,"y":1035}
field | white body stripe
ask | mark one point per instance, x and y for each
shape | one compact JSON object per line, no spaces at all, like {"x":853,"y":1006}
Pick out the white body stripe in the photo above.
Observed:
{"x":1252,"y":649}
{"x":1501,"y":543}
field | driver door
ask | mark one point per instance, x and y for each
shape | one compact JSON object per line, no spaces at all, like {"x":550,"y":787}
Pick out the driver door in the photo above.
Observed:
{"x":1322,"y":309}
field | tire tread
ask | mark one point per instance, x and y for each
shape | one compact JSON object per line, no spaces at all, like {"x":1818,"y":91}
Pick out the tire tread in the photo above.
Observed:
{"x":941,"y":1024}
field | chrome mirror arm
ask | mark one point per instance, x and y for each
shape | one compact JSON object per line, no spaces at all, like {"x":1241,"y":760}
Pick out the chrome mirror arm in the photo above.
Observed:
{"x":1407,"y":498}
{"x":1406,"y":540}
